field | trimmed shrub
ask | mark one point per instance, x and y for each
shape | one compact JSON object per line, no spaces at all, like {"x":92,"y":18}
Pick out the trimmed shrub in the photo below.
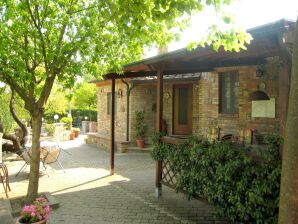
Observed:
{"x":50,"y":129}
{"x":241,"y":187}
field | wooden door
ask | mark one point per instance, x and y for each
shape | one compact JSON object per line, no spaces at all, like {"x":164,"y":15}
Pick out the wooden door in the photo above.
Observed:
{"x":182,"y":118}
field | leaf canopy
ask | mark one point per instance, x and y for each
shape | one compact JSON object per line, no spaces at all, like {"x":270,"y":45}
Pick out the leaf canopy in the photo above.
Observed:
{"x":41,"y":40}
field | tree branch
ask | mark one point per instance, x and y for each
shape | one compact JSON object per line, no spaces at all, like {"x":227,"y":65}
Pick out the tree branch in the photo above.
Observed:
{"x":24,"y":138}
{"x":37,"y":26}
{"x":46,"y":90}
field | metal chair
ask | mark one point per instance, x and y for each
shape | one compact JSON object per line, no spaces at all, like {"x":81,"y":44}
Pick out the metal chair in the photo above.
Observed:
{"x":51,"y":152}
{"x":25,"y":155}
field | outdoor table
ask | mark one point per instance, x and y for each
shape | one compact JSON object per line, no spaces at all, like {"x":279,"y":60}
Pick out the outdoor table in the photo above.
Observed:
{"x":4,"y":178}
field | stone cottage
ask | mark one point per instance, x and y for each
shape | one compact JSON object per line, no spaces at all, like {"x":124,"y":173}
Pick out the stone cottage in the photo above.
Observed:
{"x":221,"y":94}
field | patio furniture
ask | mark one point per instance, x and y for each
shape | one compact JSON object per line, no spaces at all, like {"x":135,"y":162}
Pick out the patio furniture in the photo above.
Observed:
{"x":25,"y":155}
{"x":4,"y":178}
{"x":50,"y":152}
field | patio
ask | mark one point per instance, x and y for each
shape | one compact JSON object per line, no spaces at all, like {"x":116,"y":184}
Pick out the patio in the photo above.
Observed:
{"x":87,"y":194}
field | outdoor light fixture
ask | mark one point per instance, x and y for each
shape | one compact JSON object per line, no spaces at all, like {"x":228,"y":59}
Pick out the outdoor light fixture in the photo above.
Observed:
{"x":56,"y":117}
{"x":86,"y":118}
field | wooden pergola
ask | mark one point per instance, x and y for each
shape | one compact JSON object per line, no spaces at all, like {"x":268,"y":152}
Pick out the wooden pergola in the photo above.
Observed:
{"x":268,"y":41}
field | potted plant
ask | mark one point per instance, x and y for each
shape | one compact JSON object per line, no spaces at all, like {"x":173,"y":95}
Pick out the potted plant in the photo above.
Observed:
{"x":141,"y":128}
{"x":76,"y":131}
{"x":72,"y":135}
{"x":37,"y":213}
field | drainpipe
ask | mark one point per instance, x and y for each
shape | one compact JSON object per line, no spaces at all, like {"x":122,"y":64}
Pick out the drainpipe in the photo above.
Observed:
{"x":128,"y":91}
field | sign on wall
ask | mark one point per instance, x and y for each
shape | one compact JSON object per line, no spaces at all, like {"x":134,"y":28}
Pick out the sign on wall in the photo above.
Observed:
{"x":263,"y":108}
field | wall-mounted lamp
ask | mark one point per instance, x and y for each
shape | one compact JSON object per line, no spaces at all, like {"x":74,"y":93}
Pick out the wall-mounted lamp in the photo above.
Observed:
{"x":119,"y":93}
{"x":167,"y":95}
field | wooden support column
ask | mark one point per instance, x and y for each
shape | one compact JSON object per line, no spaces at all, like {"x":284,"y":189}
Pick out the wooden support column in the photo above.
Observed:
{"x":112,"y":139}
{"x":159,"y":129}
{"x":284,"y":88}
{"x":283,"y":98}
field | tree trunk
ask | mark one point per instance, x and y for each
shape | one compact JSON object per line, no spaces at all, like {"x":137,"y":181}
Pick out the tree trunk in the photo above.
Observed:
{"x":17,"y":144}
{"x":34,"y":166}
{"x":288,"y":204}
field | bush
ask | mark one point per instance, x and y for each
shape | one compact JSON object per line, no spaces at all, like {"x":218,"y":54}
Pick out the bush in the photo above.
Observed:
{"x":140,"y":125}
{"x":67,"y":122}
{"x":241,"y":188}
{"x":50,"y":129}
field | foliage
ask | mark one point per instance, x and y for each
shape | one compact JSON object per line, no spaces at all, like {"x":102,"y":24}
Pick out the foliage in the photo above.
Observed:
{"x":85,"y":96}
{"x":76,"y":129}
{"x":42,"y":41}
{"x":81,"y":114}
{"x":5,"y":117}
{"x":57,"y":102}
{"x":50,"y":129}
{"x":140,"y":125}
{"x":242,"y":189}
{"x":159,"y":151}
{"x":67,"y":122}
{"x":39,"y":210}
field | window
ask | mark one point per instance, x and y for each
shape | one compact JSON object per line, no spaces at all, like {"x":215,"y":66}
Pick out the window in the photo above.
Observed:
{"x":229,"y":92}
{"x":109,"y":103}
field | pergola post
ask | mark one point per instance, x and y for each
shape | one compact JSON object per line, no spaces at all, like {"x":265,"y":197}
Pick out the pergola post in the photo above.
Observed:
{"x":159,"y":129}
{"x":284,"y":88}
{"x":112,"y":139}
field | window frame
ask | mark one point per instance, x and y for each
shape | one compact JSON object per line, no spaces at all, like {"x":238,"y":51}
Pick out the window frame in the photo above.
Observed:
{"x":234,"y":104}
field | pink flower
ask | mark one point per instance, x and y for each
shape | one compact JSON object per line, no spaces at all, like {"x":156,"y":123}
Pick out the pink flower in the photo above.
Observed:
{"x":39,"y":210}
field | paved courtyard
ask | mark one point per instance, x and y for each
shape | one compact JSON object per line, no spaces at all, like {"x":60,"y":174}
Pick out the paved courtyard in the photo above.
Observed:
{"x":87,"y":194}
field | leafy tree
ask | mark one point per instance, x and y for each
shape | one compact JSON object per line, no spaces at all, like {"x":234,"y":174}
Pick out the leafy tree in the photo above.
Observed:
{"x":85,"y":97}
{"x":57,"y":102}
{"x":288,"y":205}
{"x":5,"y":116}
{"x":44,"y":40}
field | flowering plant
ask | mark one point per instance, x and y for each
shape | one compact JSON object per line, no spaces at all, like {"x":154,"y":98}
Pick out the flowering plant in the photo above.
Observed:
{"x":35,"y":212}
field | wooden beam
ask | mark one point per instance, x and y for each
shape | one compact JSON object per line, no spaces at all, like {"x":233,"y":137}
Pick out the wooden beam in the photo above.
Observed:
{"x":112,"y":143}
{"x":159,"y":129}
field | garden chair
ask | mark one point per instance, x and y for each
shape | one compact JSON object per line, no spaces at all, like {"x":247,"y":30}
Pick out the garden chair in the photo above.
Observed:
{"x":25,"y":155}
{"x":50,"y":152}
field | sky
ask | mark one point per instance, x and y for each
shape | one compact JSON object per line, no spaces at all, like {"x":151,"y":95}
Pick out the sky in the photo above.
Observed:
{"x":247,"y":14}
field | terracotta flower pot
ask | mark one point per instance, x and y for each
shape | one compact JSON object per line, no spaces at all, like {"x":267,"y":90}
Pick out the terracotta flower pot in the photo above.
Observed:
{"x":77,"y":133}
{"x":72,"y":136}
{"x":140,"y":143}
{"x":39,"y":222}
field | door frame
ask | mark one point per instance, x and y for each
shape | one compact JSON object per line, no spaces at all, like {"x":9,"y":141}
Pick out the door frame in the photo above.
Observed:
{"x":184,"y":130}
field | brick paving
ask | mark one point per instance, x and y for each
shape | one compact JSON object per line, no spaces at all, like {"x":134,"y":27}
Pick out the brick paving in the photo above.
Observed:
{"x":87,"y":194}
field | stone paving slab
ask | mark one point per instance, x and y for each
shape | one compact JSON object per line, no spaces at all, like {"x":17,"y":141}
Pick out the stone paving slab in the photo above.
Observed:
{"x":88,"y":194}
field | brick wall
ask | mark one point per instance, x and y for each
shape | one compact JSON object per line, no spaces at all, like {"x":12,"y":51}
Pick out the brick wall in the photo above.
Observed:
{"x":209,"y":116}
{"x":205,"y":105}
{"x":143,"y":98}
{"x":103,"y":119}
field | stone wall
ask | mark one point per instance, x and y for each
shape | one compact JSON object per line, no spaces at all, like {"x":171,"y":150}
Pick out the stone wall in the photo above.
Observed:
{"x":205,"y":105}
{"x":103,"y":119}
{"x":209,"y":116}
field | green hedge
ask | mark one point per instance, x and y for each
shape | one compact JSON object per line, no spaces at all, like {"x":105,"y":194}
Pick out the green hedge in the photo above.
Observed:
{"x":49,"y":118}
{"x":241,"y":188}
